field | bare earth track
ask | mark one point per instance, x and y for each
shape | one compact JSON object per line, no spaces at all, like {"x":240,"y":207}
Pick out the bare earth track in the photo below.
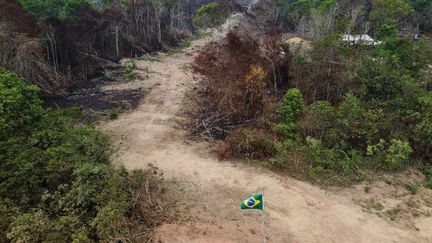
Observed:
{"x":295,"y":211}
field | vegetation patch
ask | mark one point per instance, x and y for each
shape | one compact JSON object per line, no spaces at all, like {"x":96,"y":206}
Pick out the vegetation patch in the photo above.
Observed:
{"x":149,"y":58}
{"x":114,"y":114}
{"x":56,"y":181}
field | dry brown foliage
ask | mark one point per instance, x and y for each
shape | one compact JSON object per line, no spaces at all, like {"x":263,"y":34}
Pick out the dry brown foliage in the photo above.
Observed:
{"x":19,"y":21}
{"x":251,"y":144}
{"x":152,"y":204}
{"x":239,"y":84}
{"x":25,"y":56}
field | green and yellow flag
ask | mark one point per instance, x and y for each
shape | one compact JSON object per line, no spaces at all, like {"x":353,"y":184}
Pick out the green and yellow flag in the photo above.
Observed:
{"x":255,"y":202}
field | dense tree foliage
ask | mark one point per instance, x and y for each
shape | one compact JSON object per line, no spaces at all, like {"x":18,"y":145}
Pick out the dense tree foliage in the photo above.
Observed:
{"x":377,"y":118}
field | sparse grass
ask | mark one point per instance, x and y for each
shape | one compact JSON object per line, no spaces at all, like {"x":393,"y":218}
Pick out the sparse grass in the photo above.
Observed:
{"x":429,"y":183}
{"x":377,"y":206}
{"x":371,"y":206}
{"x":367,"y":189}
{"x":130,"y":70}
{"x":393,"y":213}
{"x":428,"y":203}
{"x":114,"y":114}
{"x":413,"y":187}
{"x":149,"y":58}
{"x":412,"y":204}
{"x":186,"y":43}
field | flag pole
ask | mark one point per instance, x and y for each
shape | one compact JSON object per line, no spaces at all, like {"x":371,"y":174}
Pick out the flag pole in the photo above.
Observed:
{"x":262,"y":227}
{"x":262,"y":221}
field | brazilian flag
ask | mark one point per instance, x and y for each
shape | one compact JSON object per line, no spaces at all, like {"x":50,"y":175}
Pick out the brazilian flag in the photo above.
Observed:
{"x":255,"y":202}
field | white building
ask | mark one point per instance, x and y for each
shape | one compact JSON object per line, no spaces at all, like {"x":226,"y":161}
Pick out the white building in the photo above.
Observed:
{"x":360,"y":40}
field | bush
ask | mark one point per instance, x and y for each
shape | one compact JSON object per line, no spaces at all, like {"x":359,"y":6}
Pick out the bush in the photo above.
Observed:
{"x":320,"y":120}
{"x":386,"y":31}
{"x":421,"y":134}
{"x":56,"y":183}
{"x":31,"y":227}
{"x":251,"y":144}
{"x":429,"y":182}
{"x":391,"y":156}
{"x":348,"y":126}
{"x":292,"y":106}
{"x":289,"y":156}
{"x":114,"y":114}
{"x":289,"y":112}
{"x":331,"y":160}
{"x":20,"y":106}
{"x":255,"y":84}
{"x":413,"y":187}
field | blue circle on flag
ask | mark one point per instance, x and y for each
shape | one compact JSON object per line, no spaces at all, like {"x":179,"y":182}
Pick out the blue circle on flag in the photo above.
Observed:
{"x":251,"y":202}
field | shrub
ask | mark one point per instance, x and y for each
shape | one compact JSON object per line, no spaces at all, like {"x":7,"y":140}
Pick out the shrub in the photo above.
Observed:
{"x":386,"y":31}
{"x":114,"y":114}
{"x":292,"y":106}
{"x":331,"y":159}
{"x":398,"y":153}
{"x":319,"y":119}
{"x":255,"y":84}
{"x":428,"y":172}
{"x":130,"y":70}
{"x":289,"y":156}
{"x":367,"y":189}
{"x":429,"y":182}
{"x":252,"y":144}
{"x":413,"y":187}
{"x":391,"y":156}
{"x":20,"y":106}
{"x":345,"y":127}
{"x":358,"y":126}
{"x":289,"y":112}
{"x":422,"y":130}
{"x":56,"y":183}
{"x":31,"y":227}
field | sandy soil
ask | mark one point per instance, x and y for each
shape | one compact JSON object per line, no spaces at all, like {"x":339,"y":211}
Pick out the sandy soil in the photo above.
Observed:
{"x":295,"y":211}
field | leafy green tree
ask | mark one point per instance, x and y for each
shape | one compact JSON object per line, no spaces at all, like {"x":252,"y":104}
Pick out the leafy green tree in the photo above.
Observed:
{"x":390,"y":156}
